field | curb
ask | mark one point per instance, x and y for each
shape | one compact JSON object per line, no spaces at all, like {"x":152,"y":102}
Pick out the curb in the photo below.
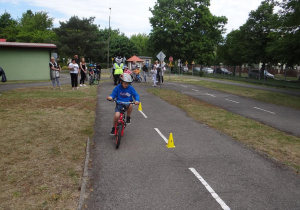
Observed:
{"x":85,"y":176}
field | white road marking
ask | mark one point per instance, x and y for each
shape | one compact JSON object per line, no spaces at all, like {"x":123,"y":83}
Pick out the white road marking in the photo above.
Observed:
{"x":212,"y":192}
{"x":232,"y":101}
{"x":184,"y":86}
{"x":210,"y":95}
{"x":143,"y":114}
{"x":162,"y":136}
{"x":195,"y":90}
{"x":264,"y":110}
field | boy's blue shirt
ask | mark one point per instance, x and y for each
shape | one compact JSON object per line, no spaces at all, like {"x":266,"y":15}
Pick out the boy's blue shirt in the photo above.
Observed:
{"x":125,"y":95}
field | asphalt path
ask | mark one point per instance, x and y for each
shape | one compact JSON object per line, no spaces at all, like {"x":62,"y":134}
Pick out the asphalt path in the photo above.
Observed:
{"x":282,"y":118}
{"x":205,"y":170}
{"x":64,"y":79}
{"x":295,"y":92}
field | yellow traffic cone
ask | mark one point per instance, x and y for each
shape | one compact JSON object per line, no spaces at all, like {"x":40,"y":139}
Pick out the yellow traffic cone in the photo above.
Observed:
{"x":170,"y":142}
{"x":140,"y":107}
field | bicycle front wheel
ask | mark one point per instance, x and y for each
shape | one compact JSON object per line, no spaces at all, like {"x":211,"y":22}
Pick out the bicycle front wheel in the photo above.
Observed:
{"x":91,"y":80}
{"x":119,"y":135}
{"x":99,"y":76}
{"x":96,"y":81}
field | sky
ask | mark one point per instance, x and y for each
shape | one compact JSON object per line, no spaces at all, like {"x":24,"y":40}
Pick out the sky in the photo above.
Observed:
{"x":129,"y":16}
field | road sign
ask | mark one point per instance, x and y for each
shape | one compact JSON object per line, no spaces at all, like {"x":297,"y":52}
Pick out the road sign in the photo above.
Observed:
{"x":186,"y":62}
{"x":170,"y":58}
{"x":161,"y":56}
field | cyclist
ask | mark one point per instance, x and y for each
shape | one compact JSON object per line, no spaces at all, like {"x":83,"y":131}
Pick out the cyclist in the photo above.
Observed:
{"x":124,"y":92}
{"x":137,"y":73}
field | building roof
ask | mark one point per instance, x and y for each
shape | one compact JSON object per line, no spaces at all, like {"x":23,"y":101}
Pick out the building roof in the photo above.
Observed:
{"x":145,"y":57}
{"x":27,"y":45}
{"x":134,"y":58}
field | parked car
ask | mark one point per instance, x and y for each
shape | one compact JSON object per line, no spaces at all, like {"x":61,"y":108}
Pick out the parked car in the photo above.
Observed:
{"x":205,"y":70}
{"x":254,"y":73}
{"x":222,"y":71}
{"x":268,"y":74}
{"x":185,"y":69}
{"x":208,"y":70}
{"x":196,"y":69}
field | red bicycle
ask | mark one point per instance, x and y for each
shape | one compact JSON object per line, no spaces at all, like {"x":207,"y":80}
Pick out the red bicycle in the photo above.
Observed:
{"x":121,"y":124}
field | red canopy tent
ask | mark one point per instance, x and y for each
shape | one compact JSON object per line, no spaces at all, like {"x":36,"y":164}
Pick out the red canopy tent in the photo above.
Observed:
{"x":136,"y":60}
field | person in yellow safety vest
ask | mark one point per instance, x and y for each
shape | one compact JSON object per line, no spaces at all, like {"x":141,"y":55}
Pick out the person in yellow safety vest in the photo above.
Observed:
{"x":118,"y":68}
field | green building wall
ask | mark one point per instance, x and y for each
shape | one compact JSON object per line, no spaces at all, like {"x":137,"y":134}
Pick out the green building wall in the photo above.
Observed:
{"x":25,"y":63}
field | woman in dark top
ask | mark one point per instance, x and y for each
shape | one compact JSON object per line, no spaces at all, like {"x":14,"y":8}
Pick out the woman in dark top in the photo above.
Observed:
{"x":83,"y":71}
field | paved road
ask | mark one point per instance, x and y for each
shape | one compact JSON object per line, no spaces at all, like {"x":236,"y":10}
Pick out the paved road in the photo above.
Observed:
{"x":64,"y":79}
{"x":282,"y":118}
{"x":252,"y":86}
{"x":145,"y":174}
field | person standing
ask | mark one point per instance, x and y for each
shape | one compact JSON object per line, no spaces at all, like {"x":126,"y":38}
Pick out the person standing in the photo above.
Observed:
{"x":83,"y":71}
{"x":74,"y":69}
{"x":118,"y":68}
{"x":158,"y":69}
{"x":145,"y":72}
{"x":154,"y":73}
{"x":54,"y":72}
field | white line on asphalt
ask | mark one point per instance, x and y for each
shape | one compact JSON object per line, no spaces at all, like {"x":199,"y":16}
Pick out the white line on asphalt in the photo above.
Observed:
{"x":232,"y":101}
{"x":143,"y":114}
{"x":210,"y":95}
{"x":195,"y":90}
{"x":184,"y":86}
{"x":162,"y":136}
{"x":212,"y":192}
{"x":264,"y":110}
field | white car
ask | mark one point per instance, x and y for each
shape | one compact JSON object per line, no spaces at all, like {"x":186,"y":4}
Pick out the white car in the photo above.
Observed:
{"x":267,"y":74}
{"x":208,"y":70}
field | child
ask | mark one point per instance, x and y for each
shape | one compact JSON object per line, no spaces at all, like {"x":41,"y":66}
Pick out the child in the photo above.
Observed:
{"x":154,"y":73}
{"x":126,"y":93}
{"x":137,"y":73}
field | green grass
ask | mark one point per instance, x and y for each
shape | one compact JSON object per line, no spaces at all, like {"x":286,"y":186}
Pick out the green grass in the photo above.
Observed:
{"x":42,"y":146}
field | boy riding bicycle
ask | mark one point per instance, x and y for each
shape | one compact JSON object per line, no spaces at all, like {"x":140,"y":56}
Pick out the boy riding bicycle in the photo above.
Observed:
{"x":124,"y":92}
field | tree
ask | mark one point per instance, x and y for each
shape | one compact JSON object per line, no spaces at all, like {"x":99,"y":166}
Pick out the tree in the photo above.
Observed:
{"x":141,"y":43}
{"x":285,"y":47}
{"x":80,"y":36}
{"x":186,"y":29}
{"x":256,"y":34}
{"x":234,"y":51}
{"x":8,"y":27}
{"x":35,"y":27}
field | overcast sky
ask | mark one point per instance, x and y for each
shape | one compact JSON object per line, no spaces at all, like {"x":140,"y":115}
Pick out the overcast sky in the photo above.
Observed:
{"x":130,"y":16}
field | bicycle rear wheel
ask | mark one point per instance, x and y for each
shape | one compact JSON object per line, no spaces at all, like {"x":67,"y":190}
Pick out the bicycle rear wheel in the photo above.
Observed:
{"x":119,"y":136}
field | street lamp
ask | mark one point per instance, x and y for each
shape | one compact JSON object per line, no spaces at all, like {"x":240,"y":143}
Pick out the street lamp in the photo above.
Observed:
{"x":108,"y":39}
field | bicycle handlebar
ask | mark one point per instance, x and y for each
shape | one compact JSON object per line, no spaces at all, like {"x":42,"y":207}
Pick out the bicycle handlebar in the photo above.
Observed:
{"x":122,"y":102}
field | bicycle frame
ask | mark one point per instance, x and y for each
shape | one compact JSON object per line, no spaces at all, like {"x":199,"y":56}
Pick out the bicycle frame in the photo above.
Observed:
{"x":121,"y":123}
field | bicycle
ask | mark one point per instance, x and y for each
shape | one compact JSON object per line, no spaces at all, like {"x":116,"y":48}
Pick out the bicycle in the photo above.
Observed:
{"x":94,"y":78}
{"x":121,"y":124}
{"x":137,"y":78}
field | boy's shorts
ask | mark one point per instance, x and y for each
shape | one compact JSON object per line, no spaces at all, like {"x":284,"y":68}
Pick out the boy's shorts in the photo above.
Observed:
{"x":119,"y":107}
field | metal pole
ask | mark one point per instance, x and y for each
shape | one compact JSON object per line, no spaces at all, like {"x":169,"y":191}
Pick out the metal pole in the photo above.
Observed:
{"x":108,"y":39}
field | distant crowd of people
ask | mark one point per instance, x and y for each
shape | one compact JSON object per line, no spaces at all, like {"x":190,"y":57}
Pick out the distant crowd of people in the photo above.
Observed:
{"x":157,"y":71}
{"x":78,"y":68}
